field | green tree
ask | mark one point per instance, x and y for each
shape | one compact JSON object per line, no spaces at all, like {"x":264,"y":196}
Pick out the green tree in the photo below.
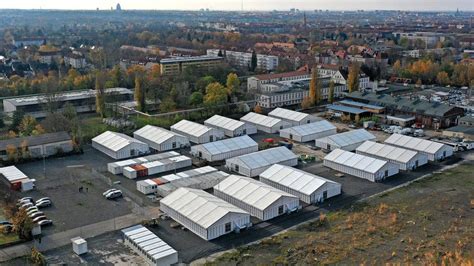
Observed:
{"x":117,"y":77}
{"x":168,"y":105}
{"x":253,"y":62}
{"x":27,"y":126}
{"x":331,"y":92}
{"x":196,"y":98}
{"x":233,"y":84}
{"x":353,"y":78}
{"x":215,"y":94}
{"x":100,"y":94}
{"x":16,"y":120}
{"x":139,"y":94}
{"x":202,"y":83}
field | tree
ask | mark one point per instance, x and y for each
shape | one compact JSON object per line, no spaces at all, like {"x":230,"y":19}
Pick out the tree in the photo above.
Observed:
{"x":397,"y":66}
{"x":22,"y":224}
{"x":215,"y":94}
{"x":442,"y":78}
{"x":27,"y":126}
{"x":313,"y":86}
{"x":117,"y":77}
{"x":233,"y":84}
{"x":12,"y":153}
{"x":202,"y":83}
{"x":306,"y":103}
{"x":196,"y":98}
{"x":139,"y":94}
{"x":353,"y":78}
{"x":253,"y":62}
{"x":168,"y":105}
{"x":100,"y":94}
{"x":37,"y":258}
{"x":258,"y":109}
{"x":56,"y":122}
{"x":16,"y":120}
{"x":331,"y":92}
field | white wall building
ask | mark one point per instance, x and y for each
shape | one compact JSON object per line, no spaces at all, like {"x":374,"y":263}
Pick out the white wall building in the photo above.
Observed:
{"x":197,"y":133}
{"x":204,"y":214}
{"x":360,"y":165}
{"x":255,"y":83}
{"x":160,"y":139}
{"x":231,"y":127}
{"x":225,"y":149}
{"x":405,"y":159}
{"x":116,"y":168}
{"x":244,"y":59}
{"x":434,"y":150}
{"x":118,"y":145}
{"x":149,"y":246}
{"x":17,"y":179}
{"x":309,"y":132}
{"x":293,"y":117}
{"x":157,"y":167}
{"x":347,"y":141}
{"x":259,"y":199}
{"x":255,"y":163}
{"x":307,"y":187}
{"x":265,"y":123}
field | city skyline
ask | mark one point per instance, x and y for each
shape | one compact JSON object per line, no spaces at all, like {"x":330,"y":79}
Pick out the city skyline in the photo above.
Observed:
{"x":416,"y":5}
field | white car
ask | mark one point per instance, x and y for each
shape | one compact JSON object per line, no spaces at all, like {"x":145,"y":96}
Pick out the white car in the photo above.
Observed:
{"x":45,"y":222}
{"x":27,"y":205}
{"x":114,"y":194}
{"x":39,"y":218}
{"x":36,"y":214}
{"x":44,"y":203}
{"x":32,"y":211}
{"x":31,"y":208}
{"x":108,"y":191}
{"x":45,"y":198}
{"x":25,"y":200}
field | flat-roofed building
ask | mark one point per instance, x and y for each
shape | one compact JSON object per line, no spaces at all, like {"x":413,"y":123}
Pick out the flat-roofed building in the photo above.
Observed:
{"x":176,"y":65}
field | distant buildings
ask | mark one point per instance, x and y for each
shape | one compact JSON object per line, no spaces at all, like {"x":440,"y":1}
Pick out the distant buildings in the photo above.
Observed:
{"x":176,"y":65}
{"x":75,"y":60}
{"x":244,"y":59}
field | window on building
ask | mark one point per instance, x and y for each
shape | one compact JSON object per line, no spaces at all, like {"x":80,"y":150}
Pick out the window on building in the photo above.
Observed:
{"x":281,"y":209}
{"x":174,"y":145}
{"x":228,"y":227}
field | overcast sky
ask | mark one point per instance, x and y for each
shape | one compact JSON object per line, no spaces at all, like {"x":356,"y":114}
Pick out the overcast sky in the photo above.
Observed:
{"x":425,"y":5}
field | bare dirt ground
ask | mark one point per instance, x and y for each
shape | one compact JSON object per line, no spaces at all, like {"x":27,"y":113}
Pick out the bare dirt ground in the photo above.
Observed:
{"x":428,"y":222}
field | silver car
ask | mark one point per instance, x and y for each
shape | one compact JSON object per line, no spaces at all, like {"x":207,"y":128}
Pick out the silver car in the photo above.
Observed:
{"x":44,"y":203}
{"x":45,"y":222}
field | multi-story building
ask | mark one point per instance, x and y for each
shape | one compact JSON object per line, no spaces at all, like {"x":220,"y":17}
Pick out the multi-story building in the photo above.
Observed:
{"x":243,"y":59}
{"x":75,"y":60}
{"x":176,"y":65}
{"x":339,"y":75}
{"x":255,"y":83}
{"x":48,"y":57}
{"x":429,"y":38}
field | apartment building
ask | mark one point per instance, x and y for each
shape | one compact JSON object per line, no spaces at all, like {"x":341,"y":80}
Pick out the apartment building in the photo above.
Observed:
{"x":176,"y":65}
{"x":244,"y":59}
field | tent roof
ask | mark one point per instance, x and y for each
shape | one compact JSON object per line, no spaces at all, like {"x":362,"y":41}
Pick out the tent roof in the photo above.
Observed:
{"x":264,"y":158}
{"x":228,"y":145}
{"x":387,"y":151}
{"x":356,"y":161}
{"x":115,"y":141}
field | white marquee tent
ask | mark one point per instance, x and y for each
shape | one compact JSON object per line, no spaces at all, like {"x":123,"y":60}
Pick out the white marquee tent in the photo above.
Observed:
{"x":118,"y":145}
{"x":293,"y":117}
{"x":309,"y":132}
{"x":197,"y":133}
{"x":347,"y":141}
{"x":265,"y":123}
{"x":231,"y":127}
{"x":434,"y":150}
{"x":225,"y":149}
{"x":160,"y":139}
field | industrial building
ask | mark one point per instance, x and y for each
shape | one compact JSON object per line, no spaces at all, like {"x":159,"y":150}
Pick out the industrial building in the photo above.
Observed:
{"x":434,"y":150}
{"x":307,"y":187}
{"x":231,"y":127}
{"x":160,"y":139}
{"x":17,"y":179}
{"x":359,"y":165}
{"x":259,"y":199}
{"x":405,"y":159}
{"x":309,"y":132}
{"x":44,"y":145}
{"x":149,"y":246}
{"x":224,"y":149}
{"x":347,"y":141}
{"x":197,"y":133}
{"x":253,"y":164}
{"x":156,"y":167}
{"x":293,"y":117}
{"x":203,"y":182}
{"x":118,"y":145}
{"x":176,"y":65}
{"x":265,"y":123}
{"x":116,"y":168}
{"x":204,"y":214}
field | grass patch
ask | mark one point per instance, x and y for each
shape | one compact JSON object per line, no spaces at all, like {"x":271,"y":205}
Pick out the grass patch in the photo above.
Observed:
{"x":8,"y":238}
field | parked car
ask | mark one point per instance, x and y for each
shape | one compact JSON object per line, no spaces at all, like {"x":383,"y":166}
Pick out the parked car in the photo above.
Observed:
{"x":31,"y":208}
{"x":44,"y":203}
{"x":32,"y":211}
{"x":45,"y":222}
{"x":25,"y":200}
{"x":114,"y":194}
{"x":27,"y":205}
{"x":108,"y":191}
{"x":39,"y":218}
{"x":45,"y":198}
{"x":36,"y":214}
{"x":5,"y":223}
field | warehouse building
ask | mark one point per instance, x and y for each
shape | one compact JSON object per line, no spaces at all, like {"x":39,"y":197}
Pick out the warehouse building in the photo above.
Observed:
{"x":309,"y":132}
{"x":44,"y":145}
{"x":17,"y":179}
{"x":253,"y":164}
{"x":225,"y":149}
{"x":293,"y":117}
{"x":204,"y":214}
{"x":265,"y":123}
{"x":197,"y":133}
{"x":157,"y":167}
{"x":203,"y":182}
{"x":359,"y":165}
{"x":118,"y":145}
{"x":160,"y":139}
{"x":405,"y":159}
{"x":149,"y":186}
{"x":307,"y":187}
{"x":259,"y":199}
{"x":149,"y":246}
{"x":116,"y":168}
{"x":231,"y":127}
{"x":434,"y":150}
{"x":347,"y":141}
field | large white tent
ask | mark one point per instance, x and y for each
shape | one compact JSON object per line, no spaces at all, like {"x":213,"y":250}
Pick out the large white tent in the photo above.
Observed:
{"x":204,"y":214}
{"x":361,"y":166}
{"x":293,"y":117}
{"x":160,"y":139}
{"x":225,"y":149}
{"x":253,"y":164}
{"x":197,"y":133}
{"x":118,"y":145}
{"x":309,"y":132}
{"x":307,"y":187}
{"x":347,"y":141}
{"x":231,"y":127}
{"x":405,"y":159}
{"x":434,"y":150}
{"x":259,"y":199}
{"x":265,"y":123}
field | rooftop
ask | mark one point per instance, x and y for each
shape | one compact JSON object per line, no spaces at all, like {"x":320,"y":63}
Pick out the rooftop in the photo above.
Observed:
{"x":36,"y":140}
{"x":190,"y":59}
